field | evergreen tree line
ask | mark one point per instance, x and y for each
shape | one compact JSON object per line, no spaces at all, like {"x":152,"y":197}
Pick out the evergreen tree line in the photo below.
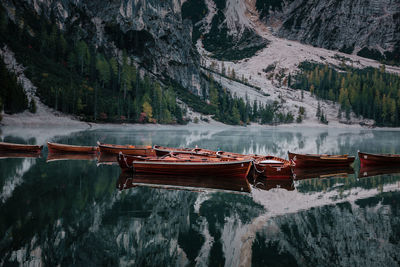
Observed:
{"x":75,"y":77}
{"x":370,"y":92}
{"x":12,"y":95}
{"x":235,"y":110}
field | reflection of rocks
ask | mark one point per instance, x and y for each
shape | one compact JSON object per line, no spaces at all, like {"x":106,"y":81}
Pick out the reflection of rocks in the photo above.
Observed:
{"x":364,"y":234}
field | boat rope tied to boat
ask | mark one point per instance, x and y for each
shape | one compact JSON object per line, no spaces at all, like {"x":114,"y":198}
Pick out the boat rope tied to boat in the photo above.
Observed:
{"x":253,"y":161}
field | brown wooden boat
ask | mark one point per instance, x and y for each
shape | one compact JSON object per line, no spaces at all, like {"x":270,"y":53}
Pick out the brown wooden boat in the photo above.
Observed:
{"x":20,"y":147}
{"x":319,"y":160}
{"x":162,"y":151}
{"x":17,"y":154}
{"x":126,"y":149}
{"x":128,"y":180}
{"x":378,"y":159}
{"x":375,"y":170}
{"x":273,"y":167}
{"x":186,"y":165}
{"x":62,"y":148}
{"x":70,"y":156}
{"x":321,"y":172}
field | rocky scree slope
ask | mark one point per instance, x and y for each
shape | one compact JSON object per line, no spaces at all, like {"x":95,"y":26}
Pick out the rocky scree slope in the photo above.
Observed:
{"x":366,"y":28}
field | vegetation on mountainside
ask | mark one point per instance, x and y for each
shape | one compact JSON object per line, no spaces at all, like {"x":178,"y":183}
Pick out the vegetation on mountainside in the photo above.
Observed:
{"x":371,"y":93}
{"x":73,"y":76}
{"x":12,"y":95}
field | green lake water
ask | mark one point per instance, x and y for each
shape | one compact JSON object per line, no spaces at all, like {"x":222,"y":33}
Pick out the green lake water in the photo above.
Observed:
{"x":81,"y":213}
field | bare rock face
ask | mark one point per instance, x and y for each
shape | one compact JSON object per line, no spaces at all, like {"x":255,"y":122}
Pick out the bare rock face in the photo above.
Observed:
{"x":370,"y":28}
{"x":150,"y":30}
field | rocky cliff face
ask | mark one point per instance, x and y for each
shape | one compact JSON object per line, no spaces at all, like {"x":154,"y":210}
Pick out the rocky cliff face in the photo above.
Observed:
{"x":150,"y":30}
{"x":369,"y":28}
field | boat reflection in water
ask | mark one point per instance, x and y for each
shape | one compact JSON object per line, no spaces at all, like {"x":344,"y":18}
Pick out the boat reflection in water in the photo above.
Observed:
{"x":228,"y":183}
{"x":268,"y":184}
{"x":107,"y":159}
{"x":310,"y":173}
{"x":16,"y":154}
{"x":70,"y":156}
{"x":367,"y":171}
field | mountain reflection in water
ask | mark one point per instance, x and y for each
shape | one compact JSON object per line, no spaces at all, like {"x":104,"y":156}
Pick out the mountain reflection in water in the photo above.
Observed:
{"x":71,"y":210}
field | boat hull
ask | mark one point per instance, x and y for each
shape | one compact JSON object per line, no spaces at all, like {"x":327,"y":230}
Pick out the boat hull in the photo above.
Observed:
{"x":306,"y":161}
{"x":321,"y":172}
{"x":126,"y":149}
{"x":273,"y":167}
{"x":220,"y":168}
{"x":61,"y":148}
{"x":20,"y":148}
{"x":367,"y":159}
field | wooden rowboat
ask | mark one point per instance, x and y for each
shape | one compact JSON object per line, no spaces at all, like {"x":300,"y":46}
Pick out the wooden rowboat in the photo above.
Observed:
{"x":162,"y":151}
{"x":319,"y":160}
{"x":193,"y":183}
{"x":189,"y":165}
{"x":62,"y":148}
{"x":126,"y":149}
{"x":20,"y":147}
{"x":378,"y":159}
{"x":273,"y":167}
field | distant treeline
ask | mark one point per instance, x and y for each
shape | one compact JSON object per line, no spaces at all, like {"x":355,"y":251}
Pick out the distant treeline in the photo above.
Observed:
{"x":73,"y":76}
{"x":372,"y":93}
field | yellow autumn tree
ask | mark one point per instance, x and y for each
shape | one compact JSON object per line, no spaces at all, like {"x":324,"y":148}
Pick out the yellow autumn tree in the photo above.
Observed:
{"x":148,"y":110}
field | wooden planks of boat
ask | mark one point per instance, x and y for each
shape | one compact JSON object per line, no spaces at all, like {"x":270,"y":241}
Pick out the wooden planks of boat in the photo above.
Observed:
{"x":186,"y":165}
{"x":162,"y":151}
{"x":375,"y":170}
{"x":20,"y":147}
{"x":63,"y":148}
{"x":126,"y":149}
{"x":273,"y":167}
{"x":70,"y":156}
{"x":179,"y":182}
{"x":319,"y":160}
{"x":321,"y":172}
{"x":369,"y":159}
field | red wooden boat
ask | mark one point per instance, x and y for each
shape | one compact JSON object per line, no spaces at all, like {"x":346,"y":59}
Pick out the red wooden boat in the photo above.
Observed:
{"x":128,"y":180}
{"x":20,"y":147}
{"x":319,"y":160}
{"x":378,"y":159}
{"x":126,"y":149}
{"x":321,"y":172}
{"x":186,"y":165}
{"x":162,"y":151}
{"x":70,"y":156}
{"x":62,"y":148}
{"x":375,"y":170}
{"x":273,"y":167}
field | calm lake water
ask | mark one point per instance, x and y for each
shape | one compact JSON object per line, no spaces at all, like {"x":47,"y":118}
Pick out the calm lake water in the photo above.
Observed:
{"x":81,"y":213}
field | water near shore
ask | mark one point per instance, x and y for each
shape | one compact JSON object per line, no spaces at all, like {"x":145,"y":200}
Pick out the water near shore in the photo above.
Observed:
{"x":80,"y":212}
